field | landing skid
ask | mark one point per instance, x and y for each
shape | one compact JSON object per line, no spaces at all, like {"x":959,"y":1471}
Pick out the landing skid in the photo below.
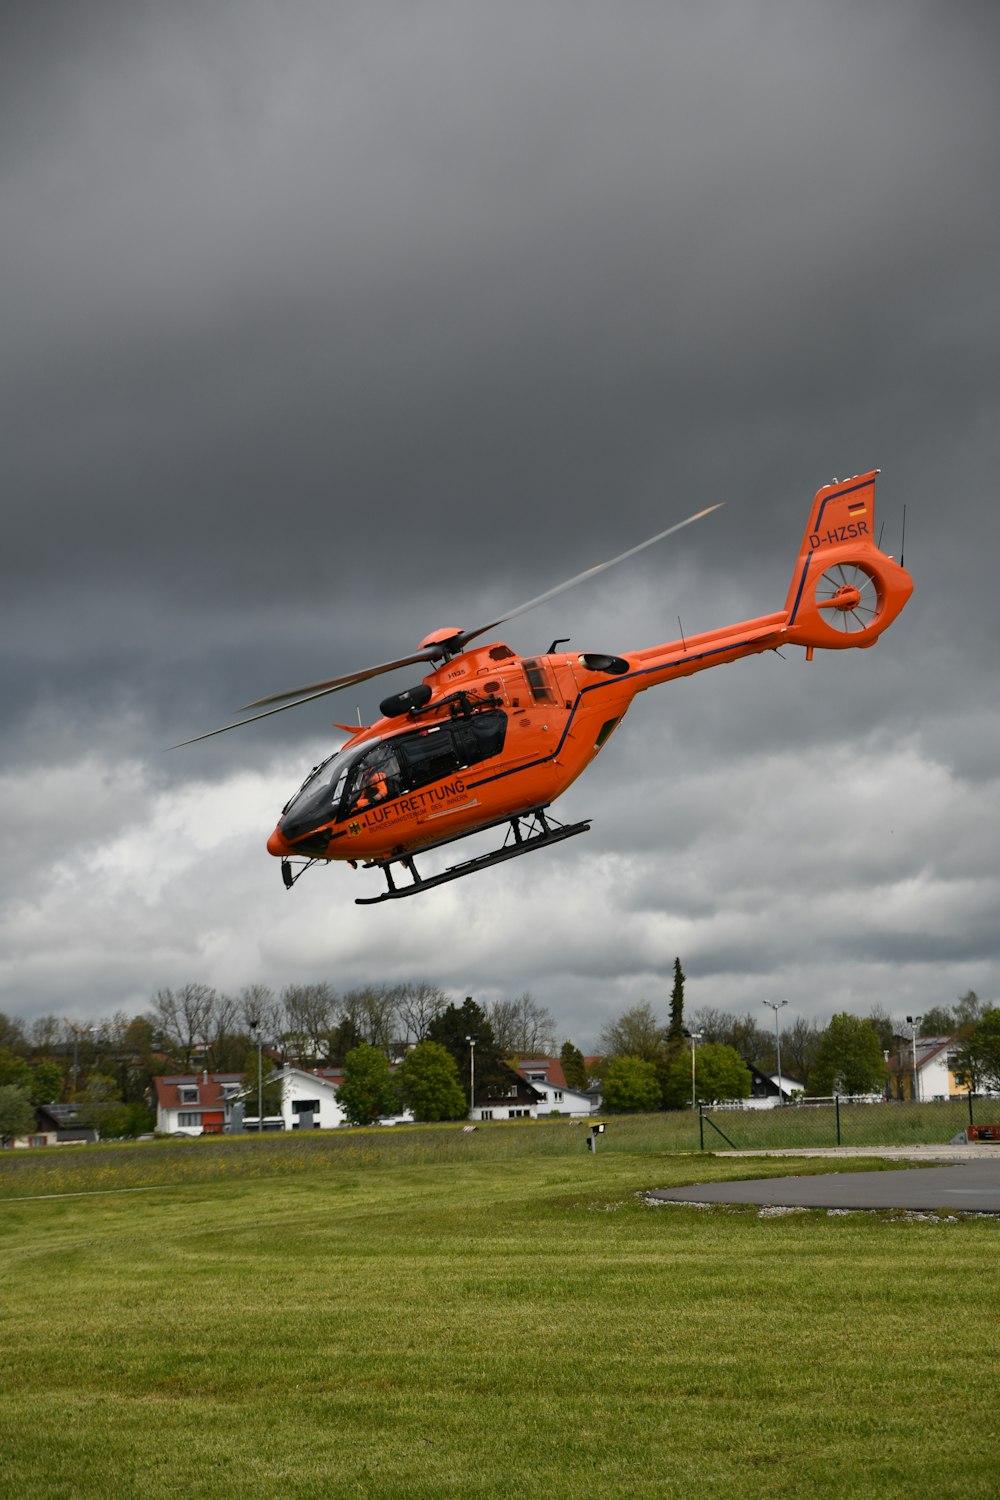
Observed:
{"x":526,"y":831}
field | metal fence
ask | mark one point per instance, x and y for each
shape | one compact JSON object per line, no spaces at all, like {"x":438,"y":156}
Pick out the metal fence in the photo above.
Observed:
{"x":841,"y":1121}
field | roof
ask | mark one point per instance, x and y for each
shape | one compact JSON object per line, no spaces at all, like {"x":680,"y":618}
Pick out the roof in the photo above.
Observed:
{"x":65,"y":1120}
{"x":551,"y":1066}
{"x":929,"y":1049}
{"x":333,"y":1077}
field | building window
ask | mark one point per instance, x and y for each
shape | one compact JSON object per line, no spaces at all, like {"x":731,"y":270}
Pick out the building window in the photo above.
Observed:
{"x":188,"y":1118}
{"x":517,"y":1114}
{"x":557,"y":1095}
{"x":486,"y":1114}
{"x":230,"y":1090}
{"x":305,"y":1106}
{"x":36,"y":1140}
{"x":188,"y":1095}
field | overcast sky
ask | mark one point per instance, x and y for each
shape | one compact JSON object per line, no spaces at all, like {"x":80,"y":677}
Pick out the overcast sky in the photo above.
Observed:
{"x":325,"y":325}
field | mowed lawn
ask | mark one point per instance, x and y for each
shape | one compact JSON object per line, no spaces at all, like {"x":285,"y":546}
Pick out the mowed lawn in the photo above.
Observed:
{"x":449,"y":1315}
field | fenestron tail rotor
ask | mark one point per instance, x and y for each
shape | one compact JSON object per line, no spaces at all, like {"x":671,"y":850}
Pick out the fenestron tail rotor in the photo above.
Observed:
{"x":438,"y":646}
{"x":849,"y":598}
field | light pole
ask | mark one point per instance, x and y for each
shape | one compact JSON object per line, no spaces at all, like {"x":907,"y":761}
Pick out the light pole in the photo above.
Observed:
{"x":913,"y":1022}
{"x":472,"y":1072}
{"x":255,"y":1036}
{"x":776,"y":1006}
{"x":693,"y":1036}
{"x":76,"y":1030}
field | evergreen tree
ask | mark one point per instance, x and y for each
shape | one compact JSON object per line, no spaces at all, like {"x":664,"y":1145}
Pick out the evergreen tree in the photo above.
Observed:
{"x":452,"y":1029}
{"x":675,"y":1030}
{"x":573,"y":1066}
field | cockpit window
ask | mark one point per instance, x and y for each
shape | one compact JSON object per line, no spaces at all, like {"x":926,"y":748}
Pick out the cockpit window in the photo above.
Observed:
{"x":365,"y":776}
{"x":375,"y":779}
{"x":314,"y":803}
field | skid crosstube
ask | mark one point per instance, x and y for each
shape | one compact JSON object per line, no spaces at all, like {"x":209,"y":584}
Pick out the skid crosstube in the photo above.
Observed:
{"x":538,"y":832}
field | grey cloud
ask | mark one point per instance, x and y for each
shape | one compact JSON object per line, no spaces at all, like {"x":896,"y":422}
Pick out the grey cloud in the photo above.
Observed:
{"x":325,"y":327}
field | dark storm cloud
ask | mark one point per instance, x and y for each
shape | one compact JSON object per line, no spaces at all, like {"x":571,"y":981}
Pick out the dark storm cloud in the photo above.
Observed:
{"x":325,"y":326}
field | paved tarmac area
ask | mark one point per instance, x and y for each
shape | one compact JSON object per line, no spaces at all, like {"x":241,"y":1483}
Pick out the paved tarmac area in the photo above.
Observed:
{"x":966,"y":1187}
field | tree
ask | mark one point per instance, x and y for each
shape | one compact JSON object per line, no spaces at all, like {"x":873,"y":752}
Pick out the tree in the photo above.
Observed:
{"x":977,"y":1059}
{"x":197,"y":1023}
{"x":417,"y":1005}
{"x":573,"y":1066}
{"x":885,"y":1026}
{"x":453,"y":1027}
{"x":46,"y":1082}
{"x":368,"y":1089}
{"x":521,"y":1026}
{"x":430,"y":1085}
{"x":675,"y":1028}
{"x":17,"y":1118}
{"x":12,"y":1034}
{"x":257,"y":1004}
{"x":720,"y":1073}
{"x":630,"y":1085}
{"x":344,"y":1037}
{"x":969,"y":1009}
{"x":635,"y":1033}
{"x":743,"y":1033}
{"x":309,"y":1010}
{"x":14,"y":1070}
{"x":373,"y":1011}
{"x":101,"y":1107}
{"x":937,"y":1021}
{"x":849,"y":1058}
{"x":799,"y":1045}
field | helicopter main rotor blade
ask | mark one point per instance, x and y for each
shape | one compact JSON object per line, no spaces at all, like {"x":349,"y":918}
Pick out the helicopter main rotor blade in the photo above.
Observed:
{"x":307,"y":695}
{"x":466,"y":636}
{"x":316,"y":689}
{"x":296,"y":696}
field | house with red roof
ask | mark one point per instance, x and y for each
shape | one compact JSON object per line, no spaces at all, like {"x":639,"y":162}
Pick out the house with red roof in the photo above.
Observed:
{"x":195,"y":1103}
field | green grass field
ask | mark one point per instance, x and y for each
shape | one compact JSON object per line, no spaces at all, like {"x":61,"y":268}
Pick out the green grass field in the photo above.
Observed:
{"x":424,"y":1313}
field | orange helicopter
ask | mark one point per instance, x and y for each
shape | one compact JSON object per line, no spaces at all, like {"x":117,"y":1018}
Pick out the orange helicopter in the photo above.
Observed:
{"x":489,"y":739}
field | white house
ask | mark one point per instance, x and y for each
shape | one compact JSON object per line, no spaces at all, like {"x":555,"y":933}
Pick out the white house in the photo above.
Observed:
{"x":767,"y":1091}
{"x":309,"y":1098}
{"x":195,"y":1103}
{"x":310,"y":1095}
{"x":542,"y":1091}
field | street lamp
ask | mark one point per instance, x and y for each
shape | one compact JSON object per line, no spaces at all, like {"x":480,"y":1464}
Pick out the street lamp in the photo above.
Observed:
{"x":255,"y":1036}
{"x":776,"y":1006}
{"x":913,"y":1022}
{"x":77,"y":1032}
{"x":472,"y":1072}
{"x":693,"y":1036}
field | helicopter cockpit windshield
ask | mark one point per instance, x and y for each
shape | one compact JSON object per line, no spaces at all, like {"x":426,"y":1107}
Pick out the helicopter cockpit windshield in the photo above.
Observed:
{"x":359,"y":778}
{"x":316,"y":800}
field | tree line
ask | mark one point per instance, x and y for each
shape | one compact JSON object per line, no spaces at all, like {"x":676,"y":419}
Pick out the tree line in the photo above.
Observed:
{"x":847,"y":1056}
{"x":105,"y":1067}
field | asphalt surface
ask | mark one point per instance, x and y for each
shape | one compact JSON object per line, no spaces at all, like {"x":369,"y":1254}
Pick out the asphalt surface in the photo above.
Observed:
{"x":967,"y":1186}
